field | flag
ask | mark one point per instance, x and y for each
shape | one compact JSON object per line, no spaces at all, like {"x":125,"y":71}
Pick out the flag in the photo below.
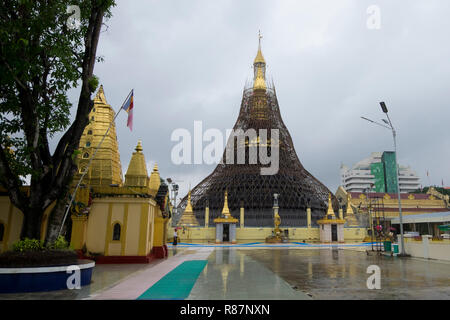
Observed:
{"x":128,"y":107}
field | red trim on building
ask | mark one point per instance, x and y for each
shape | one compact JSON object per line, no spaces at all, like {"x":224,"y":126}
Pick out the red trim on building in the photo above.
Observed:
{"x":160,"y":252}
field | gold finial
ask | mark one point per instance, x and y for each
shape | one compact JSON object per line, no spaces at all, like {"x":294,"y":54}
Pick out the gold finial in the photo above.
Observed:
{"x":226,"y":210}
{"x":330,"y":205}
{"x":259,"y":57}
{"x":100,"y":96}
{"x":155,"y":168}
{"x":139,"y":146}
{"x":188,"y":205}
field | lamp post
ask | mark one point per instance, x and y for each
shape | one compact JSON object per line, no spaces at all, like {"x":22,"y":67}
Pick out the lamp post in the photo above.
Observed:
{"x":394,"y":135}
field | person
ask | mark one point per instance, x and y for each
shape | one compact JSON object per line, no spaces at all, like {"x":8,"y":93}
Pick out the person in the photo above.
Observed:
{"x":175,"y":237}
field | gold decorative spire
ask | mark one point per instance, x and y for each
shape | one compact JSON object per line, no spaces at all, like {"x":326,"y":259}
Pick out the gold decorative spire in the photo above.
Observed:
{"x":259,"y":57}
{"x":188,"y":218}
{"x":139,"y":147}
{"x":137,"y":175}
{"x":330,"y":206}
{"x":155,"y":180}
{"x":259,"y":66}
{"x":100,"y":96}
{"x":105,"y":169}
{"x":226,"y":210}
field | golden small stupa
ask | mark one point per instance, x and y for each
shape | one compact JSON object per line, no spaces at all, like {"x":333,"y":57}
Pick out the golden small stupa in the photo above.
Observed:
{"x":188,"y":218}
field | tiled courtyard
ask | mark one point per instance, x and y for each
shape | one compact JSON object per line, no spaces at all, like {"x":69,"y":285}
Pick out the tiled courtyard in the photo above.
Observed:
{"x":258,"y":271}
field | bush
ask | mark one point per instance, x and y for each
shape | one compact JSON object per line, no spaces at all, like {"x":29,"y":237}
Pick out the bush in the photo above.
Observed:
{"x":26,"y":245}
{"x":59,"y":244}
{"x":33,"y":253}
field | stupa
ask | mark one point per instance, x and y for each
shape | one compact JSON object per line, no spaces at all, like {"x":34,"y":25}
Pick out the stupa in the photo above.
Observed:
{"x":245,"y":185}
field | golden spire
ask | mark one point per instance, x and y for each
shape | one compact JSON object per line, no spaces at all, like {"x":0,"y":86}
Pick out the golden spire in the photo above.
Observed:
{"x":155,"y":180}
{"x":259,"y":57}
{"x":139,"y":147}
{"x":188,"y":218}
{"x":189,"y":205}
{"x":105,"y":170}
{"x":137,"y":175}
{"x":330,"y":205}
{"x":259,"y":65}
{"x":100,"y":96}
{"x":226,"y":210}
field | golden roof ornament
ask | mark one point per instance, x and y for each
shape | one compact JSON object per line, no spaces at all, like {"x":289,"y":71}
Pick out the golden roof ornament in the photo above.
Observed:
{"x":188,"y":218}
{"x":139,"y":147}
{"x":137,"y":175}
{"x":226,"y":210}
{"x":100,"y":96}
{"x":330,"y":206}
{"x":259,"y":57}
{"x":155,"y":180}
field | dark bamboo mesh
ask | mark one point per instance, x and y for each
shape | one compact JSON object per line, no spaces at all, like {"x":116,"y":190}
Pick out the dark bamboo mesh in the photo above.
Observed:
{"x":296,"y":187}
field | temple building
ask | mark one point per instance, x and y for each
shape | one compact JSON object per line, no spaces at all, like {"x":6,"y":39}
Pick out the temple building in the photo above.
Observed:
{"x":111,"y":220}
{"x":105,"y":169}
{"x":360,"y":206}
{"x":247,"y":193}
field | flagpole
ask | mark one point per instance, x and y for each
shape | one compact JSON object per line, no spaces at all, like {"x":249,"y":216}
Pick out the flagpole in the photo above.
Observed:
{"x":89,"y":163}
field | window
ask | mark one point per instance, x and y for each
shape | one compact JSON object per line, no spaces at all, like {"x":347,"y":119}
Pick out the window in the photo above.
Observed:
{"x":116,"y":232}
{"x":2,"y":231}
{"x":92,"y":118}
{"x":86,"y":155}
{"x":89,"y":132}
{"x":88,"y":144}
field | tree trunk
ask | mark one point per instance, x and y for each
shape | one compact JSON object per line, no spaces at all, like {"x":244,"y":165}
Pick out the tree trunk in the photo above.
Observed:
{"x":55,"y":220}
{"x":31,"y":226}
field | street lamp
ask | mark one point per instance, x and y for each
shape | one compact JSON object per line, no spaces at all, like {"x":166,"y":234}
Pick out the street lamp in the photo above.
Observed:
{"x":394,"y":134}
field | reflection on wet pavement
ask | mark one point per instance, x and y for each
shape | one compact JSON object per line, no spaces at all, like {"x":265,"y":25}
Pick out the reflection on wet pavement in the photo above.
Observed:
{"x":280,"y":273}
{"x":231,"y":274}
{"x":341,"y":274}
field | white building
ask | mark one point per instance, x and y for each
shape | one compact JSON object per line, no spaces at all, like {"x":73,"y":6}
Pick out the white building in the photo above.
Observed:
{"x":360,"y":177}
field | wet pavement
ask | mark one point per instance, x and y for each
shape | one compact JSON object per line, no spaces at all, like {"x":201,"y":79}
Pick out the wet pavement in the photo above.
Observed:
{"x":342,"y":274}
{"x":270,"y":273}
{"x":232,"y":274}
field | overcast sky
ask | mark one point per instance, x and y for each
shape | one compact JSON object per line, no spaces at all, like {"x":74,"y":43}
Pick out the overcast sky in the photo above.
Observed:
{"x":189,"y":60}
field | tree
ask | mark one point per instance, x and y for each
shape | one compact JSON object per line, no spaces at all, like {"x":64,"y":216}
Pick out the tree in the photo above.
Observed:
{"x":42,"y":56}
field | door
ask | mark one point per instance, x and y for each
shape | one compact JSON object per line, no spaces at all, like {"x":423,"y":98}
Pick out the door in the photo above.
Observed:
{"x":226,"y":232}
{"x":334,"y":236}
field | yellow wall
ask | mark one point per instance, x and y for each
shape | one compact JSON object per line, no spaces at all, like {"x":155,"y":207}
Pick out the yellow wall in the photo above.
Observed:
{"x":136,"y":218}
{"x":160,"y":229}
{"x":260,"y":234}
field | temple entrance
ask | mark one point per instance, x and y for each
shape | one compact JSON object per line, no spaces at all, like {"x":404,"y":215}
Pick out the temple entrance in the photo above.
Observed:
{"x":334,"y":236}
{"x":226,"y":232}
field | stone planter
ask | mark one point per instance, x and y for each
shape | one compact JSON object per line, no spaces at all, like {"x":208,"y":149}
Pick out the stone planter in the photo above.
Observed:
{"x":34,"y":279}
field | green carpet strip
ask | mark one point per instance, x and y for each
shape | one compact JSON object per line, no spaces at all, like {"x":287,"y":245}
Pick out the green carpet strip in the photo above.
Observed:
{"x":177,"y":284}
